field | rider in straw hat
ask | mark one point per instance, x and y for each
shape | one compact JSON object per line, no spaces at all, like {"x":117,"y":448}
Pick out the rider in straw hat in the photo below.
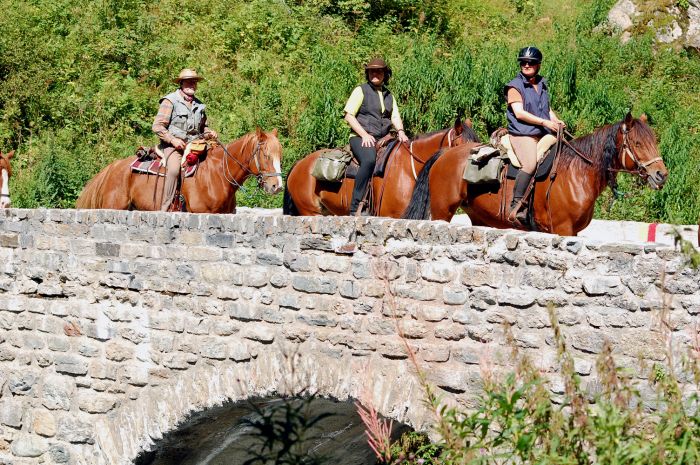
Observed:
{"x":370,"y":111}
{"x":180,"y":120}
{"x":529,"y":118}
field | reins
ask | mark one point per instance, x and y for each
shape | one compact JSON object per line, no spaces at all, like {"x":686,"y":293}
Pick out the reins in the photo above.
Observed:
{"x":244,"y":166}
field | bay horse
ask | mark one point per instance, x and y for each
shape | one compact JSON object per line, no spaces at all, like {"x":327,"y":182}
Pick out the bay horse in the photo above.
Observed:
{"x":5,"y":173}
{"x":304,"y":195}
{"x":561,"y":206}
{"x":212,"y":189}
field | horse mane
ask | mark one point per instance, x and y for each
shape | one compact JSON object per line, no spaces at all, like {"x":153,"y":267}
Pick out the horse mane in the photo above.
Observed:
{"x":467,"y":132}
{"x":600,"y":147}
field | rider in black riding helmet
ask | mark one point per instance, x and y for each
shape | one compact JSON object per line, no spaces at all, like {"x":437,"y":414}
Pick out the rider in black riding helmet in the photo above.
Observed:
{"x":529,"y":118}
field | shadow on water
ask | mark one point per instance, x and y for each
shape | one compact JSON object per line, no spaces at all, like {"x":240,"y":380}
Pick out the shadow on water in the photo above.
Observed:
{"x":222,"y":435}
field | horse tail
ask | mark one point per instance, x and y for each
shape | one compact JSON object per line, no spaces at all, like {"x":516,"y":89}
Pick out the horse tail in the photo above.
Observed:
{"x":288,"y":206}
{"x":91,"y":196}
{"x":419,"y":206}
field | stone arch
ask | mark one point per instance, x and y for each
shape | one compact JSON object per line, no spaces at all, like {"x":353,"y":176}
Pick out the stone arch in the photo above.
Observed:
{"x":136,"y":425}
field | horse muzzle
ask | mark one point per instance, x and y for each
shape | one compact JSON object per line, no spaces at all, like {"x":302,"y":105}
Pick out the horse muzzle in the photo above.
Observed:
{"x":272,"y":186}
{"x":657,"y":179}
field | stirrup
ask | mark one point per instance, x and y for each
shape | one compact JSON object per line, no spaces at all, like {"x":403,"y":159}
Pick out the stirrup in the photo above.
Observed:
{"x":518,"y":214}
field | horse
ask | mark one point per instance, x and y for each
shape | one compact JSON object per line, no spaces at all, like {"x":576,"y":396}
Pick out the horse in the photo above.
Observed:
{"x":212,"y":189}
{"x":304,"y":195}
{"x":563,"y":201}
{"x":5,"y":173}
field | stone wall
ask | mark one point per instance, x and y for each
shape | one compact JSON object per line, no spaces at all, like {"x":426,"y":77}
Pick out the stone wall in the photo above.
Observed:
{"x":114,"y":326}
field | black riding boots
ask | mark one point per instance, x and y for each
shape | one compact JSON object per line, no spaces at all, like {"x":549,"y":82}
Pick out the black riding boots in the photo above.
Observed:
{"x":518,"y":206}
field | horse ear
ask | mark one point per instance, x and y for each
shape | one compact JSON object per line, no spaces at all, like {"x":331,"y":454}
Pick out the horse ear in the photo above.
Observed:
{"x":643,"y":118}
{"x":458,"y":125}
{"x":627,"y":122}
{"x":259,"y":133}
{"x":274,"y":132}
{"x":10,"y":154}
{"x":469,"y":123}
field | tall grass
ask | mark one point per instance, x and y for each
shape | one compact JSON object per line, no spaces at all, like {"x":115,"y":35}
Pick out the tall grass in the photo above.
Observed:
{"x":95,"y":70}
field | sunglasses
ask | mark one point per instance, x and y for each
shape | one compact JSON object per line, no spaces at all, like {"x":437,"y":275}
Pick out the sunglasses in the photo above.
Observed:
{"x":528,"y":63}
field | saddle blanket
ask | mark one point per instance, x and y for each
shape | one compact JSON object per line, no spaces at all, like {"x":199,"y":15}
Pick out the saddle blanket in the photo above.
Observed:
{"x":150,"y":161}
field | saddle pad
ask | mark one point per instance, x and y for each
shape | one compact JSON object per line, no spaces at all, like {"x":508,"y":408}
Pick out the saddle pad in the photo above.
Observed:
{"x":147,"y":166}
{"x":544,"y":144}
{"x":154,"y":166}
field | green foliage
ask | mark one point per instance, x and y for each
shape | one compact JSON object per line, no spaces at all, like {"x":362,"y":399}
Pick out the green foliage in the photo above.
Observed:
{"x":81,"y":80}
{"x":518,"y":421}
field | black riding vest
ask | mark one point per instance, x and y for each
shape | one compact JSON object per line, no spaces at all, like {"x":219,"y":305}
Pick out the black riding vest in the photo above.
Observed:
{"x":370,"y":115}
{"x":534,"y":102}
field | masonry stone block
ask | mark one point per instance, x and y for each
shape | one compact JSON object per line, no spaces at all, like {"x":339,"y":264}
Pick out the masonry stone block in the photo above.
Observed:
{"x":313,"y":285}
{"x":11,"y":412}
{"x":29,"y":445}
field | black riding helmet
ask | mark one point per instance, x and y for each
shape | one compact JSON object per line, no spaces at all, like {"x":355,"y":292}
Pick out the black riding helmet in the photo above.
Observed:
{"x":530,"y":54}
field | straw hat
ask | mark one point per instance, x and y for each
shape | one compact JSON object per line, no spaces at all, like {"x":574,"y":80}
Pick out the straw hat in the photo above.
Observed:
{"x":187,"y":74}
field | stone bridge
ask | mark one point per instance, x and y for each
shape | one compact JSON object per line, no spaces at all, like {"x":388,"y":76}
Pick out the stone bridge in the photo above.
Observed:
{"x":115,"y":326}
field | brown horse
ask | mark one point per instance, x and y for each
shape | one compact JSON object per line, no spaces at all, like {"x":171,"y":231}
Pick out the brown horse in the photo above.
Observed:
{"x":562,"y":206}
{"x":304,"y":195}
{"x":5,"y":173}
{"x":212,"y":189}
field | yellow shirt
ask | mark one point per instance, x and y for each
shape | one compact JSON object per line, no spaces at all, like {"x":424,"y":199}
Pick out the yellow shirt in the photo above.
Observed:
{"x":355,"y":102}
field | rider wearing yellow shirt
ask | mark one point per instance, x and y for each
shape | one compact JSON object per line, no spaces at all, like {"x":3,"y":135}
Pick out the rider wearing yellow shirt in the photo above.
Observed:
{"x":370,"y":111}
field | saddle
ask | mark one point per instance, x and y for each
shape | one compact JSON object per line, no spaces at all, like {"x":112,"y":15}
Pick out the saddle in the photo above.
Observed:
{"x":149,"y":160}
{"x":486,"y":161}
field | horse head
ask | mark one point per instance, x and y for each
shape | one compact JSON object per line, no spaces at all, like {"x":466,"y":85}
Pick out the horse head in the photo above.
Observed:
{"x":5,"y":173}
{"x":640,"y":152}
{"x":266,"y":161}
{"x":464,"y":132}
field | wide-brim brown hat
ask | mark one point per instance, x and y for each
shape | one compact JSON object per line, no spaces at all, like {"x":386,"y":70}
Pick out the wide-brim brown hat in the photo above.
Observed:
{"x":186,"y":74}
{"x":377,"y":63}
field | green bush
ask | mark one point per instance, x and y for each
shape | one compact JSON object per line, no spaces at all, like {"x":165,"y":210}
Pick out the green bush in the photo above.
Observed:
{"x":84,"y":78}
{"x":518,"y":421}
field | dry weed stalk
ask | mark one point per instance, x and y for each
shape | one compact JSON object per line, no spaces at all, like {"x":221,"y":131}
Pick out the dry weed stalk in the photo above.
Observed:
{"x":378,"y":430}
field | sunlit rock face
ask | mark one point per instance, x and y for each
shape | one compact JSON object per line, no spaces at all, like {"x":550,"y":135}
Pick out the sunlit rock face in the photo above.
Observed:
{"x":672,"y":24}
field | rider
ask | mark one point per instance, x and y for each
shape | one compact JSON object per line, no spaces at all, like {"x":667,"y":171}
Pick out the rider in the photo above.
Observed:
{"x":529,"y":118}
{"x":370,"y":111}
{"x":180,"y":120}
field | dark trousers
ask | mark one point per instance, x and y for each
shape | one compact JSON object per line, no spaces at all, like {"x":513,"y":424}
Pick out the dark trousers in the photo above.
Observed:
{"x":367,"y":157}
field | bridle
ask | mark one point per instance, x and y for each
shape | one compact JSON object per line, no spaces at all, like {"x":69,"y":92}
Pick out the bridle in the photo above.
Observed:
{"x":640,"y":167}
{"x":255,"y":157}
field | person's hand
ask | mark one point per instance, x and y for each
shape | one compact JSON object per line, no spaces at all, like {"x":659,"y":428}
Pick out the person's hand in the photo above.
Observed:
{"x":211,"y":135}
{"x":551,"y":125}
{"x":403,"y":138}
{"x":368,"y":141}
{"x":179,"y":144}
